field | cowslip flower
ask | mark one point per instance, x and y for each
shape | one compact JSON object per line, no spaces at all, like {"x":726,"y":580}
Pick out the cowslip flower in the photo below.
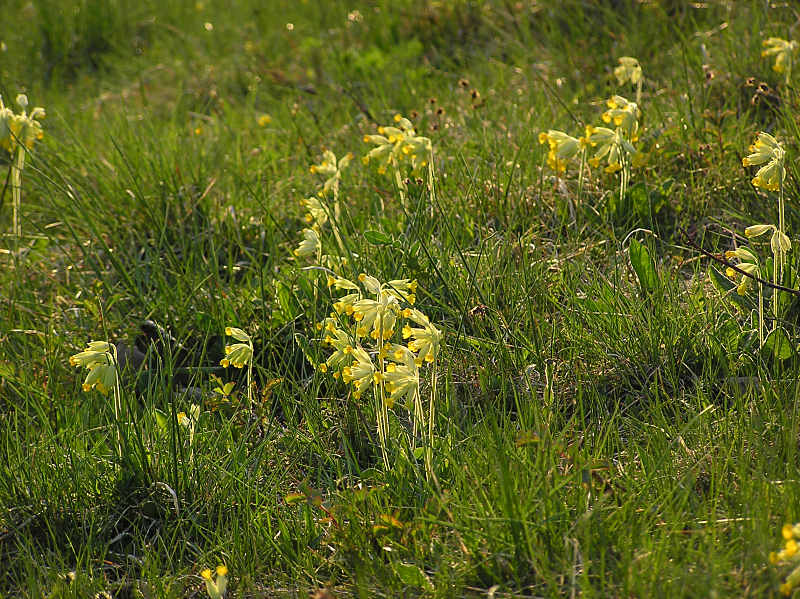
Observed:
{"x":402,"y":376}
{"x":25,"y":127}
{"x":310,"y":246}
{"x":317,"y":214}
{"x":425,"y":339}
{"x":779,"y":242}
{"x":343,"y":349}
{"x":783,"y":51}
{"x":216,"y":588}
{"x":788,"y":555}
{"x":610,"y":144}
{"x":629,"y":69}
{"x":767,"y":151}
{"x":100,"y":358}
{"x":362,"y":372}
{"x":623,"y":113}
{"x":747,"y":263}
{"x":22,"y":128}
{"x":331,"y":168}
{"x":237,"y":354}
{"x":563,"y":147}
{"x":395,"y":145}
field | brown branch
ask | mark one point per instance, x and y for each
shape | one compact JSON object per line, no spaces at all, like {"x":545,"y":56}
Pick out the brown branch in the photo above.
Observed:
{"x":732,"y":266}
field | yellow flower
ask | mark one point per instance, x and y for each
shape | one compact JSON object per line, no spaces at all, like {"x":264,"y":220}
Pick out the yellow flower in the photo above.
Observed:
{"x":100,"y":358}
{"x":563,"y":147}
{"x":216,"y":589}
{"x":623,"y":113}
{"x":362,"y":372}
{"x":768,"y":152}
{"x":610,"y":144}
{"x":237,"y":354}
{"x":783,"y":51}
{"x":779,"y":242}
{"x":629,"y":69}
{"x":264,"y":120}
{"x":398,"y":145}
{"x":425,"y":340}
{"x":310,"y":246}
{"x":401,"y":379}
{"x":331,"y":168}
{"x":317,"y":214}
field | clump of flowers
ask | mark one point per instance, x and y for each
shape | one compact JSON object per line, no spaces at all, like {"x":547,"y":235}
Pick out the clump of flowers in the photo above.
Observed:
{"x":18,"y":133}
{"x":216,"y":588}
{"x":562,"y":148}
{"x":366,"y":331}
{"x":784,"y":52}
{"x":768,"y":152}
{"x":789,"y":555}
{"x":629,"y":70}
{"x":398,"y":148}
{"x":240,"y":354}
{"x":100,"y":358}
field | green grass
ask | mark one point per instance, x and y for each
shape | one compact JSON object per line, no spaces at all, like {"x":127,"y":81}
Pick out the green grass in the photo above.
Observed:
{"x":591,"y":438}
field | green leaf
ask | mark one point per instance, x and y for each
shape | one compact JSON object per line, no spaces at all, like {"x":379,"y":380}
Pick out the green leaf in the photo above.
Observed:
{"x":412,"y":575}
{"x":779,"y":345}
{"x":643,"y":264}
{"x":377,"y":238}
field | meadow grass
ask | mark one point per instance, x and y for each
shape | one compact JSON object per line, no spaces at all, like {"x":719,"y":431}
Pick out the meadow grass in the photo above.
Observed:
{"x":593,"y":437}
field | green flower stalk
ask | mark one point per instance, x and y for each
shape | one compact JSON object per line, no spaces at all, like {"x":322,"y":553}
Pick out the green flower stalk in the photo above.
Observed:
{"x":100,"y":359}
{"x":749,"y":264}
{"x":18,"y":133}
{"x":363,"y":333}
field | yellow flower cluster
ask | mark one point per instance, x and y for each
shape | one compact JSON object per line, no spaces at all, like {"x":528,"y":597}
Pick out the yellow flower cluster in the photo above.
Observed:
{"x":21,"y":129}
{"x":398,"y":145}
{"x":783,"y":51}
{"x":363,"y":331}
{"x":768,"y":152}
{"x":788,"y":555}
{"x":100,"y":358}
{"x":331,"y":169}
{"x":629,"y":69}
{"x":563,"y":147}
{"x":237,"y":354}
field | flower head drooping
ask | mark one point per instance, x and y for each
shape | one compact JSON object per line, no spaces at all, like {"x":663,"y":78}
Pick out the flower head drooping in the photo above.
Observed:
{"x":100,"y":358}
{"x":624,"y":114}
{"x":783,"y":51}
{"x":563,"y":147}
{"x":237,"y":354}
{"x":425,"y":340}
{"x":779,"y":242}
{"x":362,"y":372}
{"x":610,"y":144}
{"x":331,"y":169}
{"x":629,"y":69}
{"x":311,"y":244}
{"x":216,"y":588}
{"x":396,"y":145}
{"x":789,"y":555}
{"x":317,"y":214}
{"x":768,"y":152}
{"x":747,"y":263}
{"x":402,"y":375}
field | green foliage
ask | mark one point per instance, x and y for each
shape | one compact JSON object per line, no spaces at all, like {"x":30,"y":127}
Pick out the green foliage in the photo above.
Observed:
{"x":606,"y":424}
